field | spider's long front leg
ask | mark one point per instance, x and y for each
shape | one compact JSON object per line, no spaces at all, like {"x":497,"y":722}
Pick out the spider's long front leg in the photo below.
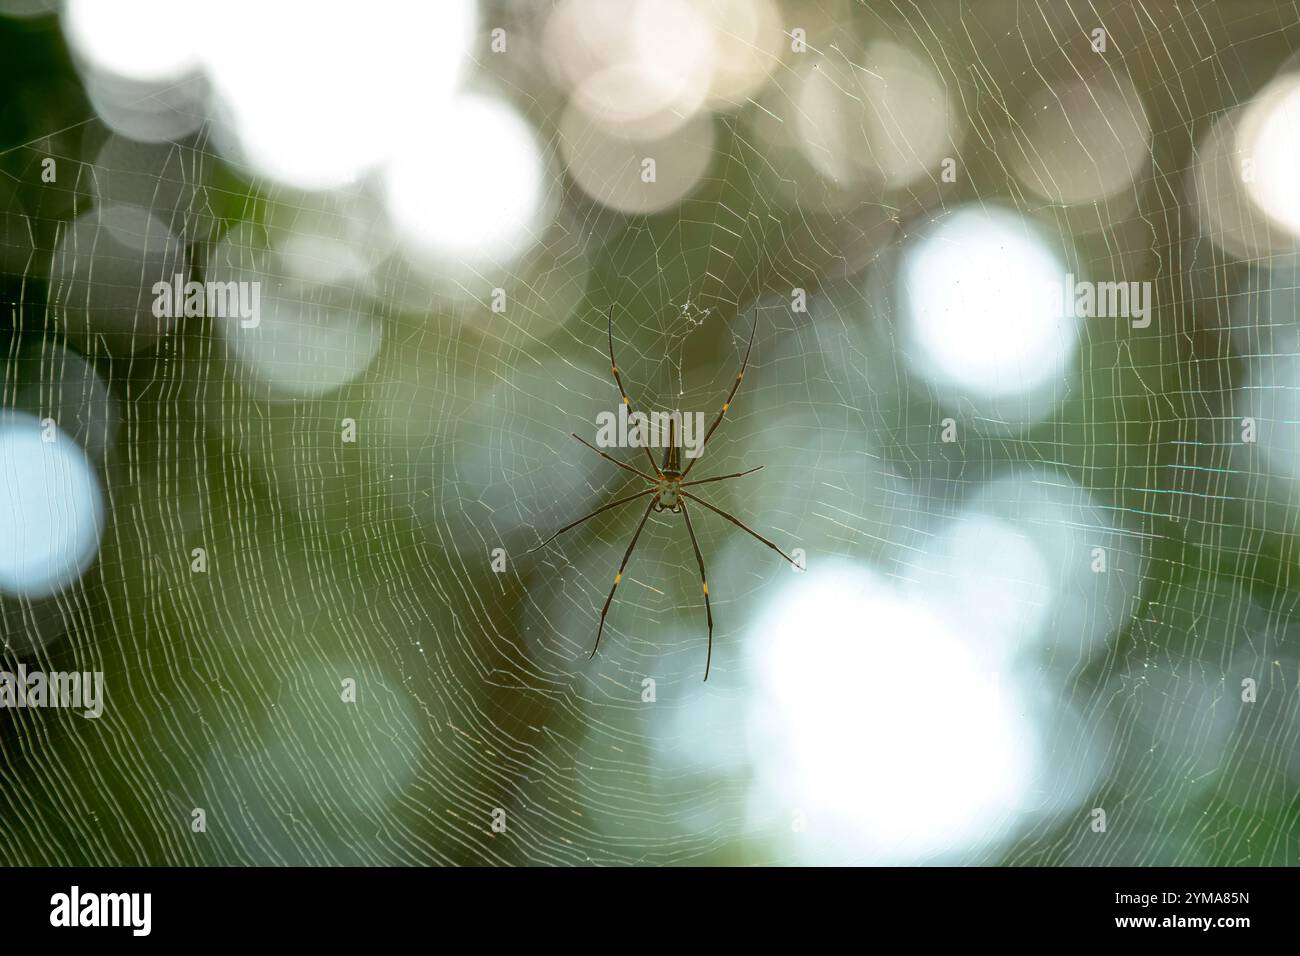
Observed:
{"x":704,"y":583}
{"x":618,"y":380}
{"x":727,"y":404}
{"x":612,"y":504}
{"x":623,"y":465}
{"x":741,"y":525}
{"x":619,"y":576}
{"x":705,"y":481}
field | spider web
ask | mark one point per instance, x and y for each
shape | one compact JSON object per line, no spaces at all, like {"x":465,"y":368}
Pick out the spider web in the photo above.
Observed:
{"x":372,"y":560}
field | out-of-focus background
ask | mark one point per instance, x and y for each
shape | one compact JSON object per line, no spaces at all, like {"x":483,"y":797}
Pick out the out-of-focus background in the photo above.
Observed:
{"x":1048,"y":611}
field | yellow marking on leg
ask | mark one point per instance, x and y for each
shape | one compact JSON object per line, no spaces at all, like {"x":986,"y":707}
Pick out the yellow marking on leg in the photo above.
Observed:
{"x":726,"y":405}
{"x":706,"y":587}
{"x":624,"y":399}
{"x":618,"y":577}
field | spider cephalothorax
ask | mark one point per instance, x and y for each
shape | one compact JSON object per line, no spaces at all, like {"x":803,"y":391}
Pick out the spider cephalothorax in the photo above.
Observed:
{"x":668,"y":493}
{"x":668,"y":487}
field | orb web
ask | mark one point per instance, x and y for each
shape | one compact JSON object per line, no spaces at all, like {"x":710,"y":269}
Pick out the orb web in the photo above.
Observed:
{"x":1092,"y":567}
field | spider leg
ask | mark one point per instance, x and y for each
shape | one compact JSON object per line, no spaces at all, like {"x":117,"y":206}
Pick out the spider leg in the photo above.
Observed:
{"x":612,"y":504}
{"x":704,"y":583}
{"x":727,"y":404}
{"x":705,"y":481}
{"x":620,"y":464}
{"x":618,"y":380}
{"x":740,"y":524}
{"x":619,"y":577}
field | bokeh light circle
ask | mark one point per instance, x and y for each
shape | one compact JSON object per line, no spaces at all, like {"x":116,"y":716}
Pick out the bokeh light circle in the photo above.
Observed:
{"x":51,"y":508}
{"x":977,"y":306}
{"x":482,"y":197}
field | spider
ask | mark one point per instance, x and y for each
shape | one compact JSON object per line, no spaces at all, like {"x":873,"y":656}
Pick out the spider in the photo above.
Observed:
{"x":668,"y":491}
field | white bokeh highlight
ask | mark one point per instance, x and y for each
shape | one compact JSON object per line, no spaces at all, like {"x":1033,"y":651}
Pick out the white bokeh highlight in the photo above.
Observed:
{"x":977,"y":308}
{"x":880,"y":723}
{"x":141,"y":40}
{"x":51,"y":508}
{"x":480,"y":198}
{"x":1269,"y":140}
